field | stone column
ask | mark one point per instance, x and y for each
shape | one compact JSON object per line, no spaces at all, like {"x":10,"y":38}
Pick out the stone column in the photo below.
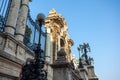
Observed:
{"x":48,"y":50}
{"x":21,"y":25}
{"x":47,"y":47}
{"x":12,"y":17}
{"x":59,"y":43}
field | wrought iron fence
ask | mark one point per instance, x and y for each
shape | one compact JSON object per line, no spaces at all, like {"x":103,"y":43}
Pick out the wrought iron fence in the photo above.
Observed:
{"x":32,"y":39}
{"x":4,"y":10}
{"x":34,"y":34}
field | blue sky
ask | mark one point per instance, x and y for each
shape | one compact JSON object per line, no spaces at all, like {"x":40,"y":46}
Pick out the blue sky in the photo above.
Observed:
{"x":96,"y":22}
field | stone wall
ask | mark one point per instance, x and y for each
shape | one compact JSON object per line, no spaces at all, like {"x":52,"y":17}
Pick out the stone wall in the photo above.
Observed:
{"x":13,"y":54}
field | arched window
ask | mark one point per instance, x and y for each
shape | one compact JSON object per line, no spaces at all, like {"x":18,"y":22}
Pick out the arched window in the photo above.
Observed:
{"x":62,"y":44}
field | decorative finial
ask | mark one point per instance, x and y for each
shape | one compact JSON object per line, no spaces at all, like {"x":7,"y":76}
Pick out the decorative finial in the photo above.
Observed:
{"x":52,"y":11}
{"x":61,"y":55}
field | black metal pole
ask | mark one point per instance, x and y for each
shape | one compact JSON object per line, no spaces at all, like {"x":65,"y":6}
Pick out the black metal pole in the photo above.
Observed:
{"x":41,"y":73}
{"x":40,"y":25}
{"x":80,"y":63}
{"x":39,"y":62}
{"x":79,"y":52}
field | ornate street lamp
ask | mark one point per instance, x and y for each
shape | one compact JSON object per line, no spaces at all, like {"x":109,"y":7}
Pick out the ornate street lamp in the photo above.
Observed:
{"x":38,"y":51}
{"x":33,"y":69}
{"x":39,"y":61}
{"x":80,"y":63}
{"x":84,"y":49}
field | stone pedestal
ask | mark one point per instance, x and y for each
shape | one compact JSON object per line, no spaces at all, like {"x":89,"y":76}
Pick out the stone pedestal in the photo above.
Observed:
{"x":84,"y":70}
{"x":83,"y":73}
{"x":87,"y":72}
{"x":61,"y":69}
{"x":91,"y":73}
{"x":12,"y":17}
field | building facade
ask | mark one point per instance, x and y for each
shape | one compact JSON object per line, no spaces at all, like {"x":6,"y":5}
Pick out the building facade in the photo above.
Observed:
{"x":60,"y":63}
{"x":56,"y":38}
{"x":13,"y":51}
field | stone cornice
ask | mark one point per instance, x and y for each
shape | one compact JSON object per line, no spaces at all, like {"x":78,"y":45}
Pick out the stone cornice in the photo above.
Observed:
{"x":70,"y":41}
{"x":10,"y":57}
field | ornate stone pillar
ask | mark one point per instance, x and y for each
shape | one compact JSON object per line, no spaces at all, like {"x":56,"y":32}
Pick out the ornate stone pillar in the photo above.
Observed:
{"x":12,"y":17}
{"x":48,"y":50}
{"x":47,"y":42}
{"x":21,"y":25}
